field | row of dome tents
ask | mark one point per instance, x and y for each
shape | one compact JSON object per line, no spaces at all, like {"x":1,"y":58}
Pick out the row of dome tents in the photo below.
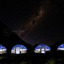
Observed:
{"x":21,"y":49}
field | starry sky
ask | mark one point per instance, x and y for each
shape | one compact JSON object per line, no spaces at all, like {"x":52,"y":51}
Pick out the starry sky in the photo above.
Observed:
{"x":35,"y":21}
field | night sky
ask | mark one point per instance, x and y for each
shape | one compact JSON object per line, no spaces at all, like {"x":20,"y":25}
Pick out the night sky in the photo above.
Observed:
{"x":35,"y":21}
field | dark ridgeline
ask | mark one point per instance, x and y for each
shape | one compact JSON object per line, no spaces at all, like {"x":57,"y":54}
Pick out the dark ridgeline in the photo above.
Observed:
{"x":10,"y":39}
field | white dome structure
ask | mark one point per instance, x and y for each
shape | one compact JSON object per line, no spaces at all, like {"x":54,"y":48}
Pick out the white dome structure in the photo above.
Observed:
{"x":61,"y":47}
{"x":42,"y":48}
{"x":19,"y":49}
{"x":3,"y":50}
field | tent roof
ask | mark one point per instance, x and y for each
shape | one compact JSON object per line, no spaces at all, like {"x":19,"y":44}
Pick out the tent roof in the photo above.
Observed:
{"x":19,"y":45}
{"x":43,"y":45}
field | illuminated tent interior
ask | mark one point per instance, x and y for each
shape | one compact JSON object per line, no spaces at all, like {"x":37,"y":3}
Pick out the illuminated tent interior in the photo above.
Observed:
{"x":19,"y":49}
{"x":61,"y":47}
{"x":42,"y":48}
{"x":2,"y":49}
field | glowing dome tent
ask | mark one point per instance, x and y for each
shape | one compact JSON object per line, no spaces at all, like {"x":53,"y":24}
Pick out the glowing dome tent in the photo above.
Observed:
{"x":42,"y":48}
{"x":2,"y":49}
{"x":19,"y":49}
{"x":61,"y":47}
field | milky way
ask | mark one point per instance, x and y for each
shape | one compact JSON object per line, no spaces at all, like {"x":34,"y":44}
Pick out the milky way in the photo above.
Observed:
{"x":35,"y":21}
{"x":32,"y":22}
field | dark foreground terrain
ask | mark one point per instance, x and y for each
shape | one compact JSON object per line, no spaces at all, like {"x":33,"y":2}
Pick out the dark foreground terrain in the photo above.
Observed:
{"x":32,"y":58}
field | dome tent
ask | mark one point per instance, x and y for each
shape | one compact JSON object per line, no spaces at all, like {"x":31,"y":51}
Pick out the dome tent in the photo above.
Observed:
{"x":2,"y":49}
{"x":42,"y":48}
{"x":19,"y":49}
{"x":61,"y":47}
